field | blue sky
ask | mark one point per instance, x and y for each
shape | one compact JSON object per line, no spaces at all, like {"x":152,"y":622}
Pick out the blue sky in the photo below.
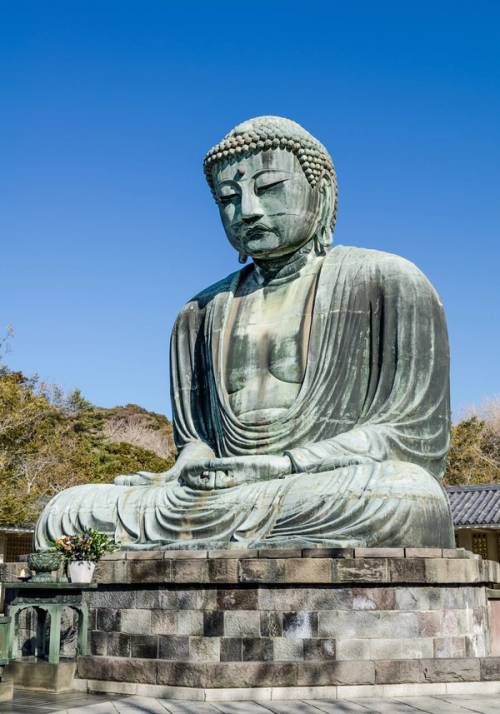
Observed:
{"x":107,"y":109}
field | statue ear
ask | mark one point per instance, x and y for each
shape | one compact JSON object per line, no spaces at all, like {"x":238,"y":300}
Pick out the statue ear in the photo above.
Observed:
{"x":324,"y":234}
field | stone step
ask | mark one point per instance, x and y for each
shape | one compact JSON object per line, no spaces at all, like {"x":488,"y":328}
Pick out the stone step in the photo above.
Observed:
{"x":288,"y":674}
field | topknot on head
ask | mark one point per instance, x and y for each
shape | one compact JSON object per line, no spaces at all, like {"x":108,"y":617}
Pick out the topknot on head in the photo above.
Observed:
{"x":271,"y":132}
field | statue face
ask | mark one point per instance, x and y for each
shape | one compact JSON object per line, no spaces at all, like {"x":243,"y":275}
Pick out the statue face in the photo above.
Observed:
{"x":267,"y":206}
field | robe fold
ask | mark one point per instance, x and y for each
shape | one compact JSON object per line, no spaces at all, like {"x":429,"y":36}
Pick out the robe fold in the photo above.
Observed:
{"x":375,"y":396}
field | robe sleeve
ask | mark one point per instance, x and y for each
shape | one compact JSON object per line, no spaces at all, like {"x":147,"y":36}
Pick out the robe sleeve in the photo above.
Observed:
{"x":406,"y":415}
{"x":191,"y":424}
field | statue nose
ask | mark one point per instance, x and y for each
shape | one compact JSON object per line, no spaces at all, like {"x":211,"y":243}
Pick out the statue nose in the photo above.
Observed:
{"x":250,"y":207}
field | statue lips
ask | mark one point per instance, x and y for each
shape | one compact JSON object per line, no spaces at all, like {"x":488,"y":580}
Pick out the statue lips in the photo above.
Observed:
{"x":257,"y":231}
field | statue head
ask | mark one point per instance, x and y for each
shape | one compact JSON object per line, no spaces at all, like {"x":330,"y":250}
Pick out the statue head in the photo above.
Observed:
{"x":275,"y":186}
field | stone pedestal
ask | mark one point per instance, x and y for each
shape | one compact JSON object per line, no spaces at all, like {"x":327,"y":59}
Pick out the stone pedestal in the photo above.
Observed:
{"x":6,"y":689}
{"x":316,"y":622}
{"x":40,"y":675}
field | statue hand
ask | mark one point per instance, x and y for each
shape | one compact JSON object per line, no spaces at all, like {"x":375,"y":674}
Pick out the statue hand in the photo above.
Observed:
{"x":208,"y":474}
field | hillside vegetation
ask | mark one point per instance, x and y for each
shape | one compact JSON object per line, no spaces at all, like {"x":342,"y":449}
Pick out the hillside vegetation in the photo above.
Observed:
{"x":50,"y":441}
{"x":474,"y":455}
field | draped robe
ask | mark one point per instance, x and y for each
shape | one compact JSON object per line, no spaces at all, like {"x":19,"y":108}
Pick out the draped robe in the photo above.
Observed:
{"x":375,"y":394}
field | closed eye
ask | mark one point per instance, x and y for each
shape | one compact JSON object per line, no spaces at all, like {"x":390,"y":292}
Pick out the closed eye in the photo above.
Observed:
{"x":261,"y":186}
{"x":226,"y":198}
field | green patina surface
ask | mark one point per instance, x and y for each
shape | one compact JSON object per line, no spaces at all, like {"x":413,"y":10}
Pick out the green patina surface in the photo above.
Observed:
{"x":309,"y":389}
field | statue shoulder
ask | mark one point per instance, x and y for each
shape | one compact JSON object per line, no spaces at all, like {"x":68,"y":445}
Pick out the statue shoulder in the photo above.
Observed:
{"x":379,"y":265}
{"x":197,"y":304}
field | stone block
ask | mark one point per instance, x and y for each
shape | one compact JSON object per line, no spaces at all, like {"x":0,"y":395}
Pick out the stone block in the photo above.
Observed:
{"x":111,"y":598}
{"x":223,"y":570}
{"x":430,"y":624}
{"x":149,"y":571}
{"x":338,"y":673}
{"x":204,"y":649}
{"x":352,"y":648}
{"x":190,"y":571}
{"x":111,"y":571}
{"x":108,"y":620}
{"x":454,"y":553}
{"x":148,"y":599}
{"x":231,"y":649}
{"x":117,"y":644}
{"x":319,"y":649}
{"x":384,"y":648}
{"x":183,"y":674}
{"x":253,"y":674}
{"x":407,"y":570}
{"x":241,"y":623}
{"x":144,"y":646}
{"x":308,"y":570}
{"x":451,"y":670}
{"x":287,"y":650}
{"x":164,"y":622}
{"x":39,"y":675}
{"x":441,"y":570}
{"x":304,"y":598}
{"x":489,"y":571}
{"x":97,"y":642}
{"x":382,"y":598}
{"x":190,"y":598}
{"x":116,"y":555}
{"x":271,"y":624}
{"x":398,"y":671}
{"x":280,"y":553}
{"x":300,"y":625}
{"x":490,"y":668}
{"x":321,"y":552}
{"x":213,"y":623}
{"x":144,"y":555}
{"x":379,"y":552}
{"x":117,"y":669}
{"x":238,"y":599}
{"x":382,"y":624}
{"x":368,"y":570}
{"x":257,"y":649}
{"x":477,"y":645}
{"x":6,"y":690}
{"x":233,"y":553}
{"x":494,"y":622}
{"x":423,"y":552}
{"x":449,"y":647}
{"x":418,"y":598}
{"x":265,"y":570}
{"x":190,"y":622}
{"x":136,"y":622}
{"x":185,"y":554}
{"x":173,"y":647}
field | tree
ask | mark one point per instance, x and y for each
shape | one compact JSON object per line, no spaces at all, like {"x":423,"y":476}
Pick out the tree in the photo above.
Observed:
{"x":50,"y":441}
{"x":474,"y":455}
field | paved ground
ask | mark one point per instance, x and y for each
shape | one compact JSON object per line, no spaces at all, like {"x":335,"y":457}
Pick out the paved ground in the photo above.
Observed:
{"x":77,"y":703}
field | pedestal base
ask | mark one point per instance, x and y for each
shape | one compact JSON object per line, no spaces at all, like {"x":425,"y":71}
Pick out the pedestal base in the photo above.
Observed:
{"x":41,"y":675}
{"x":202,"y":624}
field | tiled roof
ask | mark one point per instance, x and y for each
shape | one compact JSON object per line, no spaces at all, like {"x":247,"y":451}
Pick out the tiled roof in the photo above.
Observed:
{"x":475,"y":505}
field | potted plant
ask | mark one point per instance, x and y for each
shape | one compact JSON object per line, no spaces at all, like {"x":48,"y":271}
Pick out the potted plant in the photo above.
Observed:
{"x":81,"y":552}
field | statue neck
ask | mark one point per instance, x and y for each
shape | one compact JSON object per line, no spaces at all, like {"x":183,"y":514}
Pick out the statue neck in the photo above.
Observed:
{"x":286,"y":267}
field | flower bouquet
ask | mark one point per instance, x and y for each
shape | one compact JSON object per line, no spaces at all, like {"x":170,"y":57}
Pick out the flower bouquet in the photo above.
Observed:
{"x":82,"y":552}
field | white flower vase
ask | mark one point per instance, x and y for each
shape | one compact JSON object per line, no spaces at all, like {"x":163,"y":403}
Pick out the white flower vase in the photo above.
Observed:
{"x":81,"y":571}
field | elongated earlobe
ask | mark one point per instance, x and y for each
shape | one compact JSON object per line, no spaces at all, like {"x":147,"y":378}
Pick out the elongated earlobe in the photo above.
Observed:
{"x":242,"y":257}
{"x":318,"y":244}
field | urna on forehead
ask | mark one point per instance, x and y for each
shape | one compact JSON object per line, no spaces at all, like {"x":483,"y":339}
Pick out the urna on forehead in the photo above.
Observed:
{"x":271,"y":132}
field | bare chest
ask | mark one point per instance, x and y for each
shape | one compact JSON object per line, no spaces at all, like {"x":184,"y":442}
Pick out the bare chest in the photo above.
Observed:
{"x":266,"y":345}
